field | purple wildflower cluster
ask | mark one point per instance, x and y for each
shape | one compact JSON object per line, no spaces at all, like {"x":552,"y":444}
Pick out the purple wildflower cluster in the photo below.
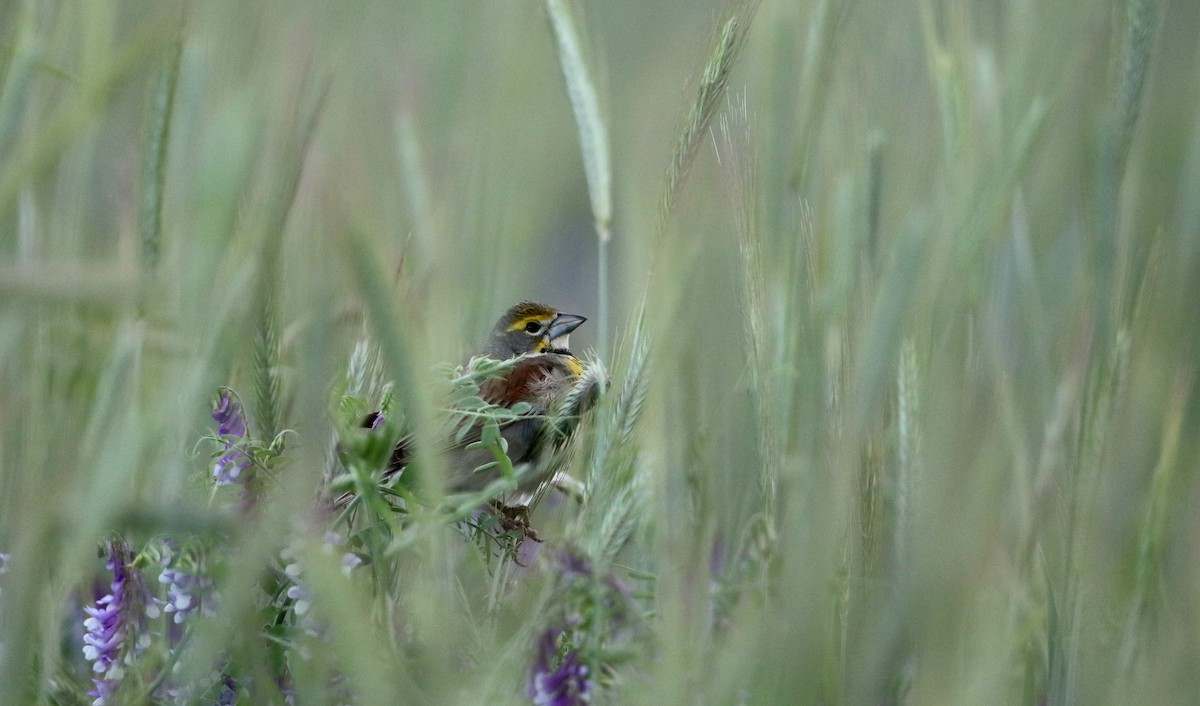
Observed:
{"x":298,"y":592}
{"x":115,"y":631}
{"x":234,"y":460}
{"x":558,"y":682}
{"x":589,"y":601}
{"x":188,"y":591}
{"x":577,"y":575}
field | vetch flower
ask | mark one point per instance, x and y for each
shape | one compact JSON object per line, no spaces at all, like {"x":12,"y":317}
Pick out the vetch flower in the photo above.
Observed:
{"x":228,"y":695}
{"x":592,"y":610}
{"x":185,"y":573}
{"x":187,"y":592}
{"x":577,"y":576}
{"x":115,"y":631}
{"x":298,"y":591}
{"x":234,"y":460}
{"x":350,"y":562}
{"x":558,"y":682}
{"x":573,"y":564}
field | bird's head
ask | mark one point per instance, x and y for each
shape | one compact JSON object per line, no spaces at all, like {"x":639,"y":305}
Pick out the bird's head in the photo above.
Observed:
{"x":530,"y":327}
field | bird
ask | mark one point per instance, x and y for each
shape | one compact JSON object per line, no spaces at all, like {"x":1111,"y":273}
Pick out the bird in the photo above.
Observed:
{"x":538,"y":369}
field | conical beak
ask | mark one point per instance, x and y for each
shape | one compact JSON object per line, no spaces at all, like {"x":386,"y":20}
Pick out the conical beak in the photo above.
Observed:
{"x":562,"y":325}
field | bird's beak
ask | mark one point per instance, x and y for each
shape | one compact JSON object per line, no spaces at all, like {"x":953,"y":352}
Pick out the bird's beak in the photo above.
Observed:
{"x":561,"y":326}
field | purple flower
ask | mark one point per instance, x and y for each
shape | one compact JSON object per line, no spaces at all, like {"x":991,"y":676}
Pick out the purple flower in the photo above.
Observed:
{"x":576,"y":573}
{"x":187,"y":592}
{"x":298,"y":591}
{"x":233,"y":460}
{"x":563,"y":684}
{"x":228,"y":696}
{"x":574,"y":564}
{"x":350,"y":562}
{"x":115,"y":629}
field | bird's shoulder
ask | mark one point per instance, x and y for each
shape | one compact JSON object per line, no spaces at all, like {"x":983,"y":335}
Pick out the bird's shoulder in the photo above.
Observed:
{"x":531,"y":377}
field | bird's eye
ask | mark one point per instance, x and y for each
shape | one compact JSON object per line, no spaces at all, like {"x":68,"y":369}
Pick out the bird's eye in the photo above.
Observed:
{"x":533,"y":327}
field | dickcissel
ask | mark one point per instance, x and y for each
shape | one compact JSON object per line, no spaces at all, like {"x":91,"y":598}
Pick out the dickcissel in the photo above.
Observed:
{"x":540,"y":372}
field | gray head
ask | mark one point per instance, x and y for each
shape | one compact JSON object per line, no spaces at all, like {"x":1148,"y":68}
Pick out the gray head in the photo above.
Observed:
{"x":530,"y":327}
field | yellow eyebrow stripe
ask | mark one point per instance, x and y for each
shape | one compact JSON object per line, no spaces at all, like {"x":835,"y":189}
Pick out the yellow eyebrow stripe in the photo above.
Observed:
{"x":520,"y":323}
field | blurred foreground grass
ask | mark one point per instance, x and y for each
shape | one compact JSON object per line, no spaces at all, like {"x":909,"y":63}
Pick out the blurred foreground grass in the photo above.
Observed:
{"x":903,"y":339}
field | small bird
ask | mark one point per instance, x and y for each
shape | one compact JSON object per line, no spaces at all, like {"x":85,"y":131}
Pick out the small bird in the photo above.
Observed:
{"x":543,"y":374}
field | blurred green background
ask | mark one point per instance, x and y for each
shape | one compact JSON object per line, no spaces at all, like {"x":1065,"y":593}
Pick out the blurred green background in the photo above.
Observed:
{"x":920,"y":377}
